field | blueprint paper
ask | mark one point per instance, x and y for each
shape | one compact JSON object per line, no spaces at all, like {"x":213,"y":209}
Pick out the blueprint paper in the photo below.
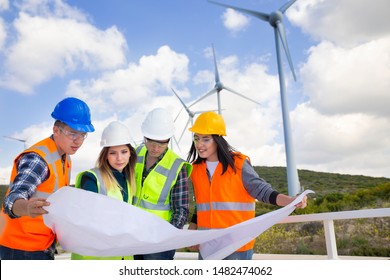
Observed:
{"x":92,"y":224}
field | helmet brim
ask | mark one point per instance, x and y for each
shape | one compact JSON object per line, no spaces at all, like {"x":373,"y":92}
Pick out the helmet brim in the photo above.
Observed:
{"x":81,"y":127}
{"x":159,"y":137}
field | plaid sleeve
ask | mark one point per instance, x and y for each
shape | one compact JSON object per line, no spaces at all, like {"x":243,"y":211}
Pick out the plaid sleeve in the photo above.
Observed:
{"x":179,"y":200}
{"x":32,"y":170}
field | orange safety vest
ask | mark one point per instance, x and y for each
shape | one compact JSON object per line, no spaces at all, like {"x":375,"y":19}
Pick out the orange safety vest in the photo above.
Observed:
{"x":224,"y":201}
{"x":31,"y":234}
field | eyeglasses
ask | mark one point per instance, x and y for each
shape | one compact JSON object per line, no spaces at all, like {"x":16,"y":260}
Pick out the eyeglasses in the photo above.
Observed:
{"x":155,"y":143}
{"x":205,"y":141}
{"x":73,"y":135}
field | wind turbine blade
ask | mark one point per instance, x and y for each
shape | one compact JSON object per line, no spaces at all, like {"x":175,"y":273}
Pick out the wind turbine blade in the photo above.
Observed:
{"x":204,"y":96}
{"x":181,"y":109}
{"x":260,"y":15}
{"x":284,"y":8}
{"x":185,"y":127}
{"x":182,"y":102}
{"x":235,"y":92}
{"x":177,"y":143}
{"x":217,"y":80}
{"x":17,"y":139}
{"x":282,"y":35}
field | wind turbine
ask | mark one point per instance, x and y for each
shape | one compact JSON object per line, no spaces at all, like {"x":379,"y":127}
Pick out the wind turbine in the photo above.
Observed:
{"x":275,"y":19}
{"x":218,"y":87}
{"x":18,"y":139}
{"x":177,"y":143}
{"x":191,"y":114}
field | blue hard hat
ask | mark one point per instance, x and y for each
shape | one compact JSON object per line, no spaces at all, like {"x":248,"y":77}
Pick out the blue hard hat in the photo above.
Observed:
{"x":74,"y":113}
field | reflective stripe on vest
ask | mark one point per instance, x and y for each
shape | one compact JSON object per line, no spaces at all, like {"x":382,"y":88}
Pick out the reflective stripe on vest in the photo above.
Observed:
{"x":102,"y":189}
{"x":50,"y":158}
{"x":31,"y":234}
{"x":224,"y":201}
{"x":231,"y":206}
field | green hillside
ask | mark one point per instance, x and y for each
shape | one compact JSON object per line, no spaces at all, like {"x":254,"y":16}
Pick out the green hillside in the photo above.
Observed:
{"x":333,"y":193}
{"x":320,"y":182}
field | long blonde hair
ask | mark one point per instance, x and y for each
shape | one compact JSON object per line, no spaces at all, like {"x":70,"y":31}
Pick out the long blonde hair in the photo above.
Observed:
{"x":107,"y":175}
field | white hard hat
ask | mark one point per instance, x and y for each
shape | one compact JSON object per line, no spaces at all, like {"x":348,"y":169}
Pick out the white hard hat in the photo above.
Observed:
{"x":115,"y":134}
{"x":158,"y":125}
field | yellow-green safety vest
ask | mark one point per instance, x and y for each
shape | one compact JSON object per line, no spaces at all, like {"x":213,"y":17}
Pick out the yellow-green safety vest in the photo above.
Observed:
{"x":153,"y":195}
{"x":112,"y":192}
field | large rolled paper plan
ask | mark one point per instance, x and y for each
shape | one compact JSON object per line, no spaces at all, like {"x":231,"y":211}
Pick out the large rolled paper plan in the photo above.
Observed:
{"x":92,"y":224}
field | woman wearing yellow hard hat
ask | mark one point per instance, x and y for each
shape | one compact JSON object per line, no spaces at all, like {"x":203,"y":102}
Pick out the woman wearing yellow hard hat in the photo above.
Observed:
{"x":225,"y":183}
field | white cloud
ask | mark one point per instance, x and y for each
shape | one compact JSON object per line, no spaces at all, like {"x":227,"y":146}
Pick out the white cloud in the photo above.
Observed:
{"x":128,"y":88}
{"x":51,"y":8}
{"x":340,"y":80}
{"x":61,"y":45}
{"x":265,"y":155}
{"x":3,"y":34}
{"x":4,"y":5}
{"x":343,"y":22}
{"x":234,"y":21}
{"x":348,"y":143}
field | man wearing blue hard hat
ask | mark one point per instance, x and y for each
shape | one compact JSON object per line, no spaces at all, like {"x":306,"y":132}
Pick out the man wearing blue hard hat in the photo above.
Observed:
{"x":38,"y":172}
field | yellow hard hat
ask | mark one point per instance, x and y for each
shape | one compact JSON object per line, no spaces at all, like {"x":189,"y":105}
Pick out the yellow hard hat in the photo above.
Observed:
{"x":209,"y":123}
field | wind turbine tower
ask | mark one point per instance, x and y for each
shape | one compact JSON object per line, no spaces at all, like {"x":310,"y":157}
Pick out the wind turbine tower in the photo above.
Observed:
{"x":275,"y":19}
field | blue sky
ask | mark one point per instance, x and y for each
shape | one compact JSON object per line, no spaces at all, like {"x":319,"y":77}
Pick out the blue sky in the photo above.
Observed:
{"x":123,"y":57}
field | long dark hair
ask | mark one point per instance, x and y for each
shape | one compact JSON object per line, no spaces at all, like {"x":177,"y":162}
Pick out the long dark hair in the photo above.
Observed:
{"x":225,"y":152}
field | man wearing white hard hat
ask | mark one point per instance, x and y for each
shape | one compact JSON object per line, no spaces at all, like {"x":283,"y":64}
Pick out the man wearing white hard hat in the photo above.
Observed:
{"x":161,"y":176}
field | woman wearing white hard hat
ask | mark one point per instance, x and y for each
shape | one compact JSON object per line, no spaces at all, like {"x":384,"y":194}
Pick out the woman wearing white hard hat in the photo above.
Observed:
{"x":114,"y":172}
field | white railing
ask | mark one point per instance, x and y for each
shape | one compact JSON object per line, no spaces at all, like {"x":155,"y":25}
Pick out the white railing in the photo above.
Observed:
{"x":328,"y":218}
